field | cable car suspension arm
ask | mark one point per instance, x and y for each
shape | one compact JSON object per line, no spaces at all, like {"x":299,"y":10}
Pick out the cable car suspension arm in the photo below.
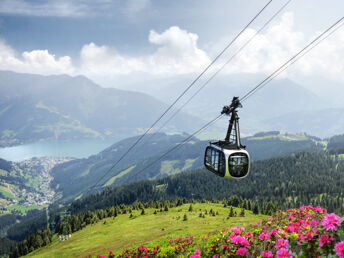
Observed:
{"x":234,"y":120}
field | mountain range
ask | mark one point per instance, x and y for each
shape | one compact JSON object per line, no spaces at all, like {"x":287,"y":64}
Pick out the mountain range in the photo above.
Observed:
{"x":35,"y":108}
{"x":283,"y":104}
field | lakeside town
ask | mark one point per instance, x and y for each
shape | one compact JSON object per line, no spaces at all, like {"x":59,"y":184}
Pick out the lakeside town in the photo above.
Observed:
{"x":33,"y":189}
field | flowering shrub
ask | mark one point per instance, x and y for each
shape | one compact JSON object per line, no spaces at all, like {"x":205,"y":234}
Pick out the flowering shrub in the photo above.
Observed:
{"x":305,"y":232}
{"x":140,"y":251}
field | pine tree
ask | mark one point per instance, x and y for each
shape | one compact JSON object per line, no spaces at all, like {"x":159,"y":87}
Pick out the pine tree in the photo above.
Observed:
{"x":242,"y":212}
{"x":231,"y":212}
{"x":190,"y":208}
{"x":249,"y":205}
{"x":255,"y":209}
{"x":185,"y":217}
{"x":37,"y":241}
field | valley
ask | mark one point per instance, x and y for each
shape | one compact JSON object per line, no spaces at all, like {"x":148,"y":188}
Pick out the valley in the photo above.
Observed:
{"x":299,"y":168}
{"x":38,"y":182}
{"x":170,"y":129}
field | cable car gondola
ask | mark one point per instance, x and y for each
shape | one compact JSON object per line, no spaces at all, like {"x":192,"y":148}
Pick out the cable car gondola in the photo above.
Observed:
{"x":228,"y":158}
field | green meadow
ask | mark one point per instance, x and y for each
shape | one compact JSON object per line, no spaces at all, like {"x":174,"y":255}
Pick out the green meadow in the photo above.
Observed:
{"x":122,"y":232}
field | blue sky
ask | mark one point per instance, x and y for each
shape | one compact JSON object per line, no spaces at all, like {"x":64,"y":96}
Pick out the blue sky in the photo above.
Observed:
{"x":122,"y":37}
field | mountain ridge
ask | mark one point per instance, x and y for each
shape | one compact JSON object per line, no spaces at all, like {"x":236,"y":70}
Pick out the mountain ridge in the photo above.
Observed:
{"x":35,"y":108}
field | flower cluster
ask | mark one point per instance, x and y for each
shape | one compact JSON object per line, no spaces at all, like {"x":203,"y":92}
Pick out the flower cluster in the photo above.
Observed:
{"x":140,"y":251}
{"x":181,"y":244}
{"x":308,"y":232}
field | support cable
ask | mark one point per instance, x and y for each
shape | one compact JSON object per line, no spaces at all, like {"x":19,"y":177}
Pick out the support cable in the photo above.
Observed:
{"x":219,"y":70}
{"x":261,"y":84}
{"x":180,"y":96}
{"x":268,"y":79}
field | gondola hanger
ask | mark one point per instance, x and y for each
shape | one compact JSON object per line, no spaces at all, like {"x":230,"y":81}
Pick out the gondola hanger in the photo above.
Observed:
{"x":228,"y":158}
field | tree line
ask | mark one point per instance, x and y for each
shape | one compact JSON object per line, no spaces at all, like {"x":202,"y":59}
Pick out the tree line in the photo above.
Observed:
{"x":290,"y":181}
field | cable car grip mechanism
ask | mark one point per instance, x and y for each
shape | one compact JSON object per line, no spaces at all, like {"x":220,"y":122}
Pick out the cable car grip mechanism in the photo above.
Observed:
{"x":232,"y":140}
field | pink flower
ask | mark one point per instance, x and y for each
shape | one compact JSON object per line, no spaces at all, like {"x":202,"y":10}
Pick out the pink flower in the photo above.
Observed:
{"x":242,"y":252}
{"x":325,"y":239}
{"x":340,"y":249}
{"x":268,"y":235}
{"x":197,"y":252}
{"x":314,"y":223}
{"x":283,"y":253}
{"x":330,"y":221}
{"x":281,"y":243}
{"x":267,"y":254}
{"x":240,"y":240}
{"x":236,"y":230}
{"x":262,"y":236}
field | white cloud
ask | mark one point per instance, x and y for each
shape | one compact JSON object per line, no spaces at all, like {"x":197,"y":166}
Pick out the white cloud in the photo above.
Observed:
{"x":36,"y":61}
{"x":177,"y":53}
{"x":103,"y":60}
{"x":280,"y":42}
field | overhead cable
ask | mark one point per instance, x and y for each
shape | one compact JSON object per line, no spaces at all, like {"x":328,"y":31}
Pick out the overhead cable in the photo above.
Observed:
{"x":221,"y":68}
{"x":262,"y":83}
{"x":292,"y":60}
{"x":181,"y":95}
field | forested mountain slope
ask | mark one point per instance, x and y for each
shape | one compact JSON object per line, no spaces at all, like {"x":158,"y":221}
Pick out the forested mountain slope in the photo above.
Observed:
{"x":290,"y":181}
{"x":336,"y":144}
{"x":74,"y":178}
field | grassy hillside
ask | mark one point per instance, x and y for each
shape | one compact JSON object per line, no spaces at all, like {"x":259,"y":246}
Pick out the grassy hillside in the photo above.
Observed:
{"x":150,"y":229}
{"x":304,"y":232}
{"x":83,"y":173}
